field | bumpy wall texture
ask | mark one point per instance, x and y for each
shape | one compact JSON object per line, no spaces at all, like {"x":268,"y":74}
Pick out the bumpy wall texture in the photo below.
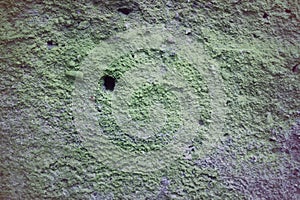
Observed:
{"x":150,"y":99}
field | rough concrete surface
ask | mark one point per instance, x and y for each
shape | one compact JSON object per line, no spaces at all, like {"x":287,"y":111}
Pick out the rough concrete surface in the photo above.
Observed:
{"x":178,"y":99}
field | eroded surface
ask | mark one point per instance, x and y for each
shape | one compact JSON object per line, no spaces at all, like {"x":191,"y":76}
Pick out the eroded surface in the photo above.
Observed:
{"x":233,"y":65}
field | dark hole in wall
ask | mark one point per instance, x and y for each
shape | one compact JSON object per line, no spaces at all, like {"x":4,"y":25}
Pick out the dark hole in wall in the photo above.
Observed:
{"x":265,"y":15}
{"x":109,"y":82}
{"x":288,"y":11}
{"x":125,"y":10}
{"x":295,"y":68}
{"x":201,"y":122}
{"x":51,"y":44}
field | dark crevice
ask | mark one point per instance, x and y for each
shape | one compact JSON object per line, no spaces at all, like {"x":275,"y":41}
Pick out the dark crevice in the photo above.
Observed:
{"x":109,"y":82}
{"x":265,"y":15}
{"x":201,"y":122}
{"x":295,"y":68}
{"x":51,"y":44}
{"x":125,"y":10}
{"x":288,"y":11}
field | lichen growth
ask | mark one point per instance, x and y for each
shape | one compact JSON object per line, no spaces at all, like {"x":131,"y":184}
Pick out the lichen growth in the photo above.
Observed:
{"x":251,"y":45}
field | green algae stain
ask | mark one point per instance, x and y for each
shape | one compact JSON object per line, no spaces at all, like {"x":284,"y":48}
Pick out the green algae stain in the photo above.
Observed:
{"x":256,"y":80}
{"x":160,"y":105}
{"x":147,"y":102}
{"x":253,"y":73}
